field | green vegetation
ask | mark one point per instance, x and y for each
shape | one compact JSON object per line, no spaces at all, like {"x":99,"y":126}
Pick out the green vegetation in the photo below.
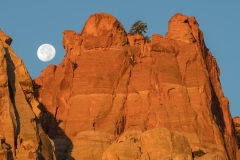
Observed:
{"x":133,"y":63}
{"x":198,"y":153}
{"x":140,"y":28}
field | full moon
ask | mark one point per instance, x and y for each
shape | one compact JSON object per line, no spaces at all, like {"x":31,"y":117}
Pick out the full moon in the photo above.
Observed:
{"x":46,"y":52}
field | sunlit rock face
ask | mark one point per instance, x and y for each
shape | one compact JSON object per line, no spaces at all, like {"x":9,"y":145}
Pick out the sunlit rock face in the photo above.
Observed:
{"x":103,"y":30}
{"x":21,"y":135}
{"x":114,"y":91}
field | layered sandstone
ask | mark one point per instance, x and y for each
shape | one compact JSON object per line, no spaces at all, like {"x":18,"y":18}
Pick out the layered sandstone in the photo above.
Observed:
{"x":21,"y":135}
{"x":112,"y":92}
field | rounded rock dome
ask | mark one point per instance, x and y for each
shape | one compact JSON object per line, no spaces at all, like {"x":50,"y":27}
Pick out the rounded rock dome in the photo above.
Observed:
{"x":103,"y":30}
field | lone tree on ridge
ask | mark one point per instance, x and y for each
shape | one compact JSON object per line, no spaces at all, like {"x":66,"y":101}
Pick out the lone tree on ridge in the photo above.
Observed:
{"x":140,"y":28}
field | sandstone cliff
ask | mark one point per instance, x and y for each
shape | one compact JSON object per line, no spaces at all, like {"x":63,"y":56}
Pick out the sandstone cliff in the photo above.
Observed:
{"x":236,"y":121}
{"x":114,"y":96}
{"x":21,"y":135}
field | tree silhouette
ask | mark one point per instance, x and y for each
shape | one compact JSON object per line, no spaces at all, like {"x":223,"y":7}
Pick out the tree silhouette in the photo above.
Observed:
{"x":138,"y":28}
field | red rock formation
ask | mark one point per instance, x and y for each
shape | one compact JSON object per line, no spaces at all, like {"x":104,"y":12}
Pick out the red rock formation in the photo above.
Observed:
{"x":110,"y":85}
{"x":236,"y":121}
{"x":21,"y":135}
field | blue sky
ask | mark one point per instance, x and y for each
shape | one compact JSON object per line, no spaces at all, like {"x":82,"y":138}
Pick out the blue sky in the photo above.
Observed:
{"x":32,"y":23}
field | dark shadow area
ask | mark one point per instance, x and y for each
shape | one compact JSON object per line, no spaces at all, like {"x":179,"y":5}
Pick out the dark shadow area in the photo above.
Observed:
{"x":50,"y":125}
{"x":217,"y":110}
{"x":198,"y":153}
{"x":217,"y":114}
{"x":9,"y":155}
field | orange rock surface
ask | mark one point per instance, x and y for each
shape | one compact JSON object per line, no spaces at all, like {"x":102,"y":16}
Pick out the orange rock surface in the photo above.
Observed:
{"x":21,"y":134}
{"x":114,"y":96}
{"x":236,"y":121}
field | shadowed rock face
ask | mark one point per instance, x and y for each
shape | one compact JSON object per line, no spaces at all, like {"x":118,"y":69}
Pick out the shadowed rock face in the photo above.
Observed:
{"x":98,"y":105}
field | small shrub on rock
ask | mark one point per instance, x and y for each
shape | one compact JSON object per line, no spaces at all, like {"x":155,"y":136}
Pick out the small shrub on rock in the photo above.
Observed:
{"x":140,"y":28}
{"x":133,"y":63}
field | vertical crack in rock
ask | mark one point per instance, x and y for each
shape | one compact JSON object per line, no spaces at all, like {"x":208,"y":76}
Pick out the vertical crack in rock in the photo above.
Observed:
{"x":120,"y":124}
{"x":12,"y":91}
